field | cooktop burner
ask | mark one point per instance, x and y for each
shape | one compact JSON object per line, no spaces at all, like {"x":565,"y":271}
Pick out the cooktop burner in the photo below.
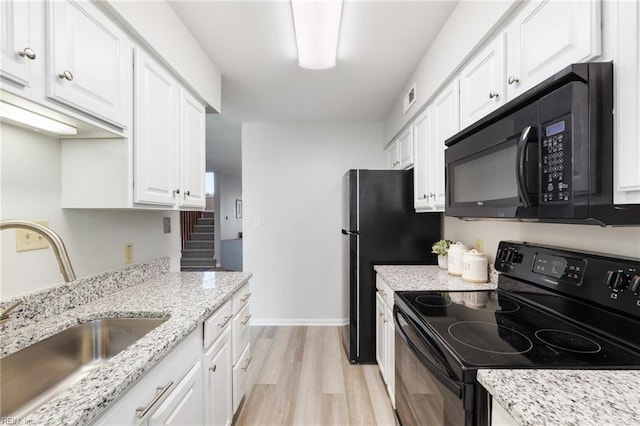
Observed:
{"x":433,"y":301}
{"x":507,"y":306}
{"x":568,"y":341}
{"x":489,"y":337}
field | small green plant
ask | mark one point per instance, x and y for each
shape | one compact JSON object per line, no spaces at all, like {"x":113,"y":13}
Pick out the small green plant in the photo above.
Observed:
{"x":441,"y":247}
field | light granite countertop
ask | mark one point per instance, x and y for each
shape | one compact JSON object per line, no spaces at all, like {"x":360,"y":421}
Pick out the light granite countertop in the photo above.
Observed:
{"x":428,"y":278}
{"x":566,"y":397}
{"x":187,"y":298}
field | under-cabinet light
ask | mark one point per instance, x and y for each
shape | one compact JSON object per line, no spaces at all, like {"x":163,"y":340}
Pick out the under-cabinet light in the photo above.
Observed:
{"x":317,"y":26}
{"x":29,"y":119}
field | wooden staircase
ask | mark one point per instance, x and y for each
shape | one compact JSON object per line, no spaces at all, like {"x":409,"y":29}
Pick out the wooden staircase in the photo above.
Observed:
{"x":198,"y":251}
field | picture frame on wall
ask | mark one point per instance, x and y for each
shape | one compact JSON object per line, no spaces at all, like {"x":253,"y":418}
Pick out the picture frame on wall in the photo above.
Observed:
{"x":238,"y":209}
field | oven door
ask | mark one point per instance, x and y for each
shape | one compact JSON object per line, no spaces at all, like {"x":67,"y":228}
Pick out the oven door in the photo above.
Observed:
{"x":494,"y":171}
{"x":427,"y":392}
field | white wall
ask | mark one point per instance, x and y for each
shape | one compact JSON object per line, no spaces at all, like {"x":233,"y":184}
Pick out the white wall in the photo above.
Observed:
{"x":230,"y":190}
{"x":468,"y":26}
{"x":616,"y":241}
{"x":292,"y":186}
{"x":30,"y":189}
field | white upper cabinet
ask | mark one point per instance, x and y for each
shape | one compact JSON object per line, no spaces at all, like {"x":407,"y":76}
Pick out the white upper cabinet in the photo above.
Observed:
{"x":400,"y":151}
{"x":482,"y":82}
{"x":440,"y":121}
{"x":89,"y":62}
{"x":156,"y":133}
{"x":446,"y":122}
{"x":421,"y":171}
{"x":546,"y":36}
{"x":192,"y":152}
{"x":18,"y":47}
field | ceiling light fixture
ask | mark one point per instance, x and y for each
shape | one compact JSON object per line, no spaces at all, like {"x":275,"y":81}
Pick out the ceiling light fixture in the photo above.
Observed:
{"x":317,"y":26}
{"x":31,"y":120}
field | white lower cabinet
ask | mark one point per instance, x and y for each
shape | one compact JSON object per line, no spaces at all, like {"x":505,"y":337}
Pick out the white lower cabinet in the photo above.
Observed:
{"x":240,"y":374}
{"x":218,"y":385}
{"x":385,"y":336}
{"x":500,"y":416}
{"x":198,"y":382}
{"x":183,"y":406}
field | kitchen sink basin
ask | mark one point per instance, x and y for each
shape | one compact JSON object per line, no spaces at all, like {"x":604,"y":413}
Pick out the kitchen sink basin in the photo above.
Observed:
{"x":37,"y":373}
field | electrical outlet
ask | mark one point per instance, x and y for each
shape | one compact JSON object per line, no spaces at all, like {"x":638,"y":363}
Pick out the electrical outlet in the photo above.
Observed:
{"x":128,"y":254}
{"x":480,"y":245}
{"x":27,"y":240}
{"x":166,"y":223}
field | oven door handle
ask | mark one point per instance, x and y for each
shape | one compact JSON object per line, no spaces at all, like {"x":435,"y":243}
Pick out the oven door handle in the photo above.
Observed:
{"x":450,"y":384}
{"x":524,"y":140}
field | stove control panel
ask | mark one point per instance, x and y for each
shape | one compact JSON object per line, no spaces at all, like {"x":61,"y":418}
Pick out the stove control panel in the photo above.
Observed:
{"x":609,"y":281}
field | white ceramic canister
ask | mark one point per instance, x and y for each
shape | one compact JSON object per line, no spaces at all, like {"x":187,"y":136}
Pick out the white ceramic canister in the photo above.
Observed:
{"x":454,"y":258}
{"x":475,"y":267}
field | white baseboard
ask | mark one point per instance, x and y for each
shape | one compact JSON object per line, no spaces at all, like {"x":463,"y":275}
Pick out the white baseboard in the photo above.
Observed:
{"x":299,"y":322}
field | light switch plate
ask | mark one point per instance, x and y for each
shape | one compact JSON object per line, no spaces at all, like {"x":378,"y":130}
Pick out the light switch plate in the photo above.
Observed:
{"x":27,"y":240}
{"x":166,"y":223}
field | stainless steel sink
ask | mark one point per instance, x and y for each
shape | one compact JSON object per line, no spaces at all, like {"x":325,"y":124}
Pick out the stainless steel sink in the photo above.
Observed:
{"x":37,"y":373}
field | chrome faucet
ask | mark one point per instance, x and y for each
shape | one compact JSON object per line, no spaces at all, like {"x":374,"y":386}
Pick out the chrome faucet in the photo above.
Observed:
{"x":54,"y":239}
{"x":4,"y":315}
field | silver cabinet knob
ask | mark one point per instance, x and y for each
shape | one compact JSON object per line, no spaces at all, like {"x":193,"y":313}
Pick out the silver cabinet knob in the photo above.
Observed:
{"x":424,"y":196}
{"x":186,"y":194}
{"x":493,"y":95}
{"x":513,"y":79}
{"x":432,"y":195}
{"x":27,"y":53}
{"x":213,"y":368}
{"x":176,"y":191}
{"x":66,"y":75}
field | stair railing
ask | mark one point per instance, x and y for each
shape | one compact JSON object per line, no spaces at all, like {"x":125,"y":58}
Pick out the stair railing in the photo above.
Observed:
{"x":188,"y":221}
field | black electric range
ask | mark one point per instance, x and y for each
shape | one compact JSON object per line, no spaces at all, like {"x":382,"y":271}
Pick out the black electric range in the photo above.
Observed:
{"x":553,"y":308}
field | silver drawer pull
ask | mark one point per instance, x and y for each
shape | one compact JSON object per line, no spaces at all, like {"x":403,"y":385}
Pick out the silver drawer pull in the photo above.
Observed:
{"x":226,"y":320}
{"x":493,"y":95}
{"x":513,"y":79}
{"x":142,"y":411}
{"x":27,"y":53}
{"x":213,"y":368}
{"x":246,"y":320}
{"x":66,"y":75}
{"x":247,"y":364}
{"x":245,"y":298}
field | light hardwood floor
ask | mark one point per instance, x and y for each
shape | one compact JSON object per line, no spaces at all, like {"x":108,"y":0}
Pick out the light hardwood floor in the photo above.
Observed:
{"x":301,"y":376}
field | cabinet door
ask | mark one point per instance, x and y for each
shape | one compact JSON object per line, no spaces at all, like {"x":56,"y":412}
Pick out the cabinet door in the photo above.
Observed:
{"x":548,"y":35}
{"x":192,"y":152}
{"x":240,"y":326}
{"x":218,"y":382}
{"x":184,"y":405}
{"x":16,"y":45}
{"x":391,"y":356}
{"x":89,"y":66}
{"x":405,"y":149}
{"x":422,"y":168}
{"x":482,"y":85}
{"x":445,"y":116}
{"x":156,"y":134}
{"x":381,"y":340}
{"x":393,"y":155}
{"x":240,"y":374}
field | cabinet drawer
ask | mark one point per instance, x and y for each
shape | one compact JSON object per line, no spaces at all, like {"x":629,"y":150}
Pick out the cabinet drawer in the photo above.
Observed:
{"x":183,"y":406}
{"x":171,"y":369}
{"x":240,"y":375}
{"x":240,"y":332}
{"x":217,"y":323}
{"x":385,"y":291}
{"x":240,"y":298}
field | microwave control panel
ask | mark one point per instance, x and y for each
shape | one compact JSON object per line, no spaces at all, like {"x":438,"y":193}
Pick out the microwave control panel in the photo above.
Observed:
{"x":556,"y":162}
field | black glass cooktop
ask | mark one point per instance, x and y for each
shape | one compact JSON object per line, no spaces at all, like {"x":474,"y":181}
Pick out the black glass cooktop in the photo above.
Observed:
{"x":494,"y":329}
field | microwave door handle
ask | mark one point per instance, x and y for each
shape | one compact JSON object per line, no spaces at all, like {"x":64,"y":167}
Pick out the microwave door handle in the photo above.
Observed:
{"x":520,"y":177}
{"x":450,"y":384}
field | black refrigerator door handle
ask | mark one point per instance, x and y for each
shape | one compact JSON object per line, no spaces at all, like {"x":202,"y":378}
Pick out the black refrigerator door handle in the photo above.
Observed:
{"x":450,"y":384}
{"x":525,"y":139}
{"x":345,"y":232}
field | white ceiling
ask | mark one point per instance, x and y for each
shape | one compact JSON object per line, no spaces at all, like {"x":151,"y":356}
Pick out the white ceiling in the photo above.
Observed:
{"x":253,"y":45}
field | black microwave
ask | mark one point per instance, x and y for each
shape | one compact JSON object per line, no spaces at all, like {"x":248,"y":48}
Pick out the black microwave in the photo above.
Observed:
{"x":545,"y":156}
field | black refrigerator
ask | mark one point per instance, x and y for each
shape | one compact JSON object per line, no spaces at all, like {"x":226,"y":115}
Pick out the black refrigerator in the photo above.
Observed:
{"x":379,"y":226}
